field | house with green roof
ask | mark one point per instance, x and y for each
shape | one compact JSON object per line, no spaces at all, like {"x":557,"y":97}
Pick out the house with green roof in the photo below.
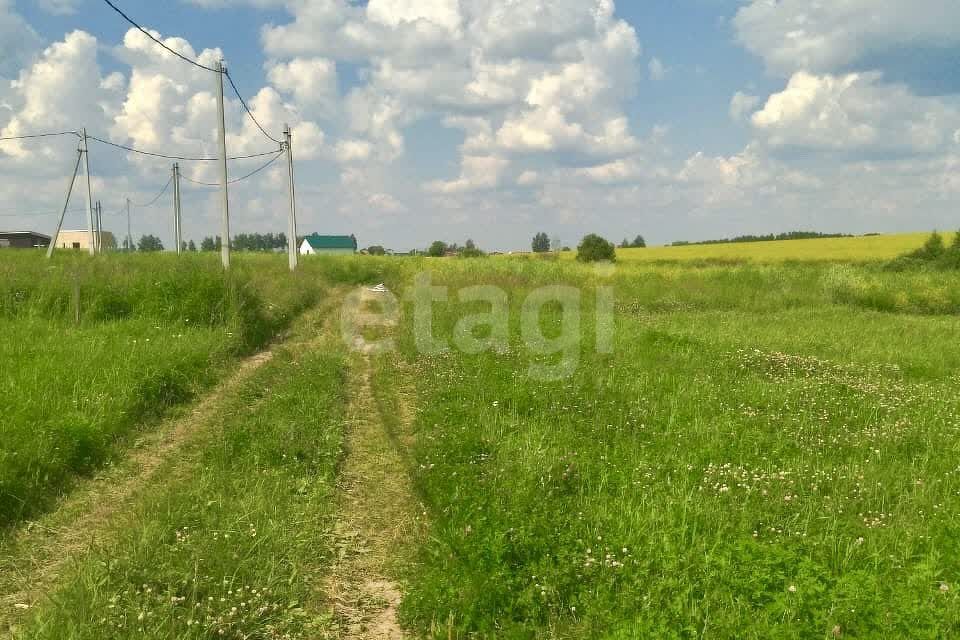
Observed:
{"x":328,"y":245}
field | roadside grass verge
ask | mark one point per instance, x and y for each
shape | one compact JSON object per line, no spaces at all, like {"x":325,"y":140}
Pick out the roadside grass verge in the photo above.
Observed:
{"x":729,"y":470}
{"x":231,"y":539}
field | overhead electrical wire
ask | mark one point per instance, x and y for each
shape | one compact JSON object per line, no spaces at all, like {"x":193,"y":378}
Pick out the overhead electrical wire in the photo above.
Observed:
{"x":157,"y":40}
{"x":41,"y":135}
{"x":155,"y":154}
{"x":235,"y":180}
{"x":159,"y":195}
{"x":150,"y":153}
{"x":247,"y":109}
{"x":258,"y":170}
{"x":196,"y":64}
{"x":220,"y":69}
{"x":199,"y":182}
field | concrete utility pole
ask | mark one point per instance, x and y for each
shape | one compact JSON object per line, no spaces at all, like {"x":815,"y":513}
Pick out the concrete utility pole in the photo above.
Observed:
{"x":86,"y":170}
{"x":66,"y":203}
{"x":177,"y":229}
{"x":292,"y":225}
{"x":129,"y":233}
{"x":99,"y":227}
{"x":224,"y":188}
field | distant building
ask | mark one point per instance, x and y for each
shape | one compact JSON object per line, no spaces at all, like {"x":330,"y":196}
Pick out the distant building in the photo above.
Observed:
{"x":23,"y":240}
{"x":81,"y":240}
{"x":328,"y":245}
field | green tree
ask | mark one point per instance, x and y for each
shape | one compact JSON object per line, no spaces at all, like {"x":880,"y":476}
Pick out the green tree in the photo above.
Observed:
{"x":191,"y":246}
{"x":639,"y":243}
{"x":207,"y":244}
{"x":150,"y":243}
{"x":376,"y":250}
{"x":955,"y":245}
{"x":437,"y":249}
{"x":625,"y":244}
{"x":470,"y":250}
{"x":593,"y":248}
{"x":541,"y":243}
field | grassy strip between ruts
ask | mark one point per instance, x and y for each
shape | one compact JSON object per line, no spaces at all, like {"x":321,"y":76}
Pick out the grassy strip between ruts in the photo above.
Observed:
{"x":229,"y":542}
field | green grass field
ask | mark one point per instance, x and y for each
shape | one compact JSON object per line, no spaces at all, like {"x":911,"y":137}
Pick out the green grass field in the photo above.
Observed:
{"x":758,"y":458}
{"x":232,"y":550}
{"x":95,"y":351}
{"x":768,"y":448}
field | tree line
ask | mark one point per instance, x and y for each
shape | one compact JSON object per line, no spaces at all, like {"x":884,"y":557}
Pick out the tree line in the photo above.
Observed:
{"x":790,"y":235}
{"x":592,"y":248}
{"x":439,"y":248}
{"x":241,"y":242}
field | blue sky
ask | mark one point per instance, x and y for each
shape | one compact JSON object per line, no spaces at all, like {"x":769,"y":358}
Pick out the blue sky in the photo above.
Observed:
{"x":413,"y":121}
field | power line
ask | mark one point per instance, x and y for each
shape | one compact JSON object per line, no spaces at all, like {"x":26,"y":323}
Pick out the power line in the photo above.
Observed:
{"x":155,"y":154}
{"x":159,"y":42}
{"x":256,"y":171}
{"x":196,"y":64}
{"x":149,"y":153}
{"x":247,"y":109}
{"x":199,"y":182}
{"x":41,"y":135}
{"x":235,"y":180}
{"x":159,"y":195}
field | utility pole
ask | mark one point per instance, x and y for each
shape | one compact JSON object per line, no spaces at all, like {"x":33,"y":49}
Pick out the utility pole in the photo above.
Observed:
{"x":224,"y":188}
{"x":66,"y":203}
{"x":129,"y":233}
{"x":96,"y":228}
{"x":177,"y":229}
{"x":99,"y":227}
{"x":292,"y":225}
{"x":86,"y":170}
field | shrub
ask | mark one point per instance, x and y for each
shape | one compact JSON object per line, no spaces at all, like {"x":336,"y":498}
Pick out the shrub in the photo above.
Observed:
{"x":932,"y":249}
{"x":593,"y":248}
{"x":933,"y":254}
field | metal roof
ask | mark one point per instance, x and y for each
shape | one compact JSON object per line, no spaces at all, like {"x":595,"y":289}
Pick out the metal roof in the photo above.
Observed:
{"x":331,"y":242}
{"x":24,"y":233}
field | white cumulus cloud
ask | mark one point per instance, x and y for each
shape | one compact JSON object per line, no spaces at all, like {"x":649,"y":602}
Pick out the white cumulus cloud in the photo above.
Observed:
{"x":855,"y":111}
{"x":827,"y":36}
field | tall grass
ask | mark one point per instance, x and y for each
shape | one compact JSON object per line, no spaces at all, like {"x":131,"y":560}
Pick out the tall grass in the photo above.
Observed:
{"x":753,"y":460}
{"x":229,"y":547}
{"x":912,"y":291}
{"x":95,"y":348}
